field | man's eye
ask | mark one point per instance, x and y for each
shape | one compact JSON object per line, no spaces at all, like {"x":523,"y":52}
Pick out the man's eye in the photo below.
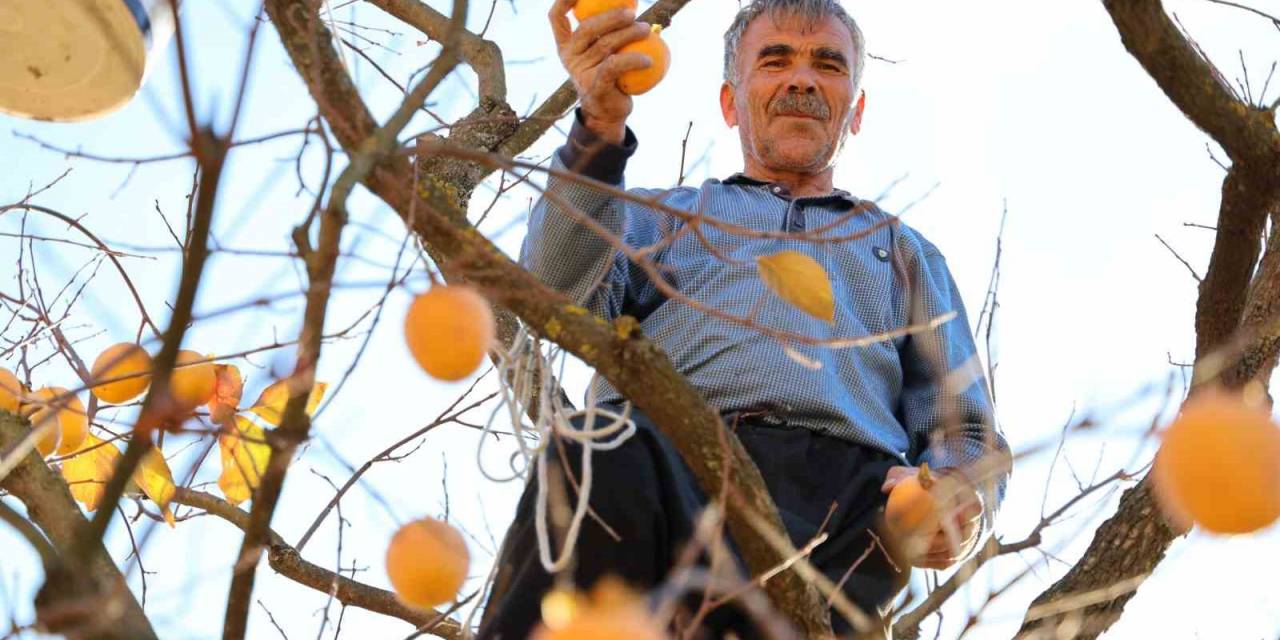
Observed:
{"x":773,"y":63}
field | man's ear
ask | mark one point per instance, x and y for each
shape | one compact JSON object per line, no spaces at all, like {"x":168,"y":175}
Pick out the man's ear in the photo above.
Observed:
{"x":727,"y":105}
{"x":855,"y":124}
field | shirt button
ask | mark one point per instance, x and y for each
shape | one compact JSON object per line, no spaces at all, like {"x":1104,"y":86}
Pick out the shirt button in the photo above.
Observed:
{"x":777,"y":189}
{"x":881,"y":253}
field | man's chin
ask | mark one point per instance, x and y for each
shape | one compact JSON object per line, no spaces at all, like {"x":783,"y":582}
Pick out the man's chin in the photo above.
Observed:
{"x":801,"y":160}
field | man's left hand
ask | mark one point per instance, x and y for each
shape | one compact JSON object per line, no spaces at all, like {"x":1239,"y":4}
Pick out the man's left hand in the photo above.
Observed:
{"x":960,"y":505}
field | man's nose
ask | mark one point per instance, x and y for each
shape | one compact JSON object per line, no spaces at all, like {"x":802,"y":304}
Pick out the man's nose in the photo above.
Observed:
{"x":802,"y":81}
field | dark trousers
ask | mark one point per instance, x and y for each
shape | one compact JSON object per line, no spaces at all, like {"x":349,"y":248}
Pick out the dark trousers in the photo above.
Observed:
{"x":647,"y":494}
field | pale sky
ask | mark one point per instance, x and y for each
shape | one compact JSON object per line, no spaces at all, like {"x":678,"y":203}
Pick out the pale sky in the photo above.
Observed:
{"x":1033,"y":104}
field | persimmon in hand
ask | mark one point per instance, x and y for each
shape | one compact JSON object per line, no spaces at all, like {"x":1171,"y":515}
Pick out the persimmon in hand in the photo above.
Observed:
{"x":638,"y":81}
{"x":584,"y":9}
{"x":912,"y":510}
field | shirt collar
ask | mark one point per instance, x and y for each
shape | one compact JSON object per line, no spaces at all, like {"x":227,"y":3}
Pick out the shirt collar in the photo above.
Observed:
{"x":779,"y":189}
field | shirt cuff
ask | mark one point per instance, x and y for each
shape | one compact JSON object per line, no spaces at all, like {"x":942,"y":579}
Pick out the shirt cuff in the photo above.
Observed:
{"x":587,"y":154}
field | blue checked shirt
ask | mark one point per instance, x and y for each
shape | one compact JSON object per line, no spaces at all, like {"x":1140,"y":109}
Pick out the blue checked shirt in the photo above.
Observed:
{"x":889,"y":395}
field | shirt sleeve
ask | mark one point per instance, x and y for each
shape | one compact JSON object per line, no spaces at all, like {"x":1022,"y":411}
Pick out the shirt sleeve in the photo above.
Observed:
{"x":573,"y":228}
{"x":946,"y":404}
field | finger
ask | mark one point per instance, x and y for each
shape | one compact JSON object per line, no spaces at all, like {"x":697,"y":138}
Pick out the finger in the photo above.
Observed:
{"x":966,"y":520}
{"x":611,"y":42}
{"x":942,"y":541}
{"x":559,"y":16}
{"x":939,"y":544}
{"x":619,"y":63}
{"x":936,"y":562}
{"x":895,"y":475}
{"x":596,"y":26}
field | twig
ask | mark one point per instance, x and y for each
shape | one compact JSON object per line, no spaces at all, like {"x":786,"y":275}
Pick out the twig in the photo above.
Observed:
{"x":1180,"y":259}
{"x":288,"y":562}
{"x":1274,"y":20}
{"x":273,"y":620}
{"x":684,"y":146}
{"x":75,"y":224}
{"x":444,"y":418}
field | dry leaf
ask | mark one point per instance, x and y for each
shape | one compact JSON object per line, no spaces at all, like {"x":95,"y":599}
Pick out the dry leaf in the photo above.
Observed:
{"x":88,"y":470}
{"x":270,"y":405}
{"x":244,"y":458}
{"x":226,"y":393}
{"x":800,"y":280}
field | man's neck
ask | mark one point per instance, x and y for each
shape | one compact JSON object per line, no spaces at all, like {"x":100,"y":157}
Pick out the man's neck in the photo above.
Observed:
{"x":801,"y":185}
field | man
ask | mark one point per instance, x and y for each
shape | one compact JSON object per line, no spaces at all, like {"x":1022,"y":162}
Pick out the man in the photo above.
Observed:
{"x":830,"y":441}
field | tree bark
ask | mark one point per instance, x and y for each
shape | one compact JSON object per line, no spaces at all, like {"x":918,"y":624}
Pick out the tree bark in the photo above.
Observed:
{"x":90,"y":600}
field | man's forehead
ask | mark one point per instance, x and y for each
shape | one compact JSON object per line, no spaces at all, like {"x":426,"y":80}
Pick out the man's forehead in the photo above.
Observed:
{"x":798,"y":31}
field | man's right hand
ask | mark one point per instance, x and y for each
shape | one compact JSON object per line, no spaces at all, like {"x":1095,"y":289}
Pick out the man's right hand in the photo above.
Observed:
{"x":590,"y":55}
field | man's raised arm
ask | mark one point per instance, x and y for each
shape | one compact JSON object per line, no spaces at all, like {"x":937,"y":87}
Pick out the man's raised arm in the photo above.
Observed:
{"x":560,"y":249}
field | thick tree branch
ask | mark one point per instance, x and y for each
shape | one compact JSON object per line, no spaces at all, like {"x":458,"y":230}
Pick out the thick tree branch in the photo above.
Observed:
{"x":637,"y":367}
{"x":1129,"y":545}
{"x":96,"y":584}
{"x":484,"y":57}
{"x":1191,"y":82}
{"x":286,"y":561}
{"x":1249,"y":192}
{"x":1259,"y":322}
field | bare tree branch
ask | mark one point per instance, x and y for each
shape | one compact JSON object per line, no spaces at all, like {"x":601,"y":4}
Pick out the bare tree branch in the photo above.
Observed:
{"x":289,"y":563}
{"x":484,"y":56}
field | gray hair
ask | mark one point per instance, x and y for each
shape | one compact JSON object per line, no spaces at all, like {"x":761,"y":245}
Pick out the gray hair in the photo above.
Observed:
{"x":815,"y":10}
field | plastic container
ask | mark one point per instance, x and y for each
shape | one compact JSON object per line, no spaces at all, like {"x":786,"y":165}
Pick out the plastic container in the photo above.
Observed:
{"x":68,"y":60}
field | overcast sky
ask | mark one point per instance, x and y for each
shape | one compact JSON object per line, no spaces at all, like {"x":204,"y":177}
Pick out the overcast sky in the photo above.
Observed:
{"x":1036,"y":106}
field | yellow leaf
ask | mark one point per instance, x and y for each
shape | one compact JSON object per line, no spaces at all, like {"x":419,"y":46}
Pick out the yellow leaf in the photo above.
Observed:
{"x":89,"y":469}
{"x":226,"y":393}
{"x":270,"y":405}
{"x":156,"y":481}
{"x":800,"y":280}
{"x":244,"y":458}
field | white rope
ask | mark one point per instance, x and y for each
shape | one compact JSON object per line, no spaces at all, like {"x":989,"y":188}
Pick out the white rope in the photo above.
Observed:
{"x":516,"y":368}
{"x":620,"y":422}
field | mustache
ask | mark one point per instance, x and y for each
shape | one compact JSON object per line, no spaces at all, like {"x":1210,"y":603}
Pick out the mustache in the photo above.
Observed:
{"x":800,"y":104}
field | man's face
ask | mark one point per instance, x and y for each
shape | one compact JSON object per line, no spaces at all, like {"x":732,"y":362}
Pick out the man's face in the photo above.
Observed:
{"x":793,"y":102}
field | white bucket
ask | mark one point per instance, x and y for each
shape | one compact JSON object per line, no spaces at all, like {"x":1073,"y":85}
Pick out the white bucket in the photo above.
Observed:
{"x":68,"y":60}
